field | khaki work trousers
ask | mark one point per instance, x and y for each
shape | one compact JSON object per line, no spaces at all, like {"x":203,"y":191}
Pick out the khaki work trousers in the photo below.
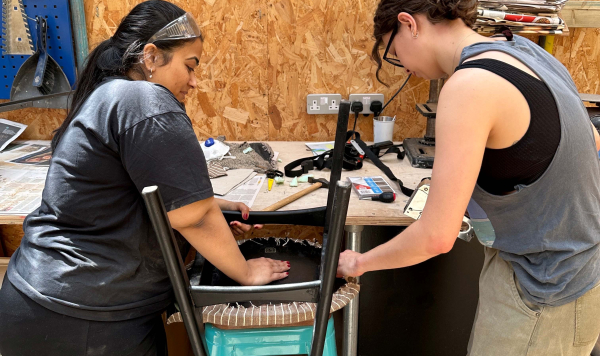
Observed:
{"x":506,"y":325}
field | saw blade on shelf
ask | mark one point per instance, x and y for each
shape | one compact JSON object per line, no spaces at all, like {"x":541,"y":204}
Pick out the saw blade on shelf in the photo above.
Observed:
{"x":16,"y":36}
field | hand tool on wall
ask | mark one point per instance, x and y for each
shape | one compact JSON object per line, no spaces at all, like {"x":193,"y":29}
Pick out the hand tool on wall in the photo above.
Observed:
{"x":59,"y":38}
{"x":40,"y":74}
{"x":44,"y":73}
{"x":317,"y":183}
{"x":16,"y":35}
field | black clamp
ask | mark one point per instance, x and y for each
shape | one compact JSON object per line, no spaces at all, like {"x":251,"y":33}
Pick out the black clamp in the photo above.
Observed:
{"x":272,"y":173}
{"x":305,"y":164}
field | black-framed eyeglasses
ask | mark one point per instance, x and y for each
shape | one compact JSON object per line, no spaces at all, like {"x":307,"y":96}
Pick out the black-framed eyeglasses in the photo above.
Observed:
{"x":392,"y":61}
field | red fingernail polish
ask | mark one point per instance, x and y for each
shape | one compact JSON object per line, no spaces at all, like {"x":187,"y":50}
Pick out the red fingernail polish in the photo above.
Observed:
{"x":287,"y":274}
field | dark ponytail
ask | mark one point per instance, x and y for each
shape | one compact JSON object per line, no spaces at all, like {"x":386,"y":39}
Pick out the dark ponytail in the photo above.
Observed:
{"x":386,"y":17}
{"x":121,"y":53}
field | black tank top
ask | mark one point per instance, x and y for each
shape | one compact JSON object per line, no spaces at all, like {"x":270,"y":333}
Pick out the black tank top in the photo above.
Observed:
{"x":525,"y":161}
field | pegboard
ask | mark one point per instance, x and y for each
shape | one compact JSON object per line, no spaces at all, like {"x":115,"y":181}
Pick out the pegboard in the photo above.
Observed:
{"x":60,"y":41}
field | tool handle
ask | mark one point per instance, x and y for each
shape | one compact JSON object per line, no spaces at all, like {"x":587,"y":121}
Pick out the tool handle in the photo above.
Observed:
{"x":42,"y":27}
{"x":42,"y":33}
{"x":291,"y":198}
{"x":387,"y":197}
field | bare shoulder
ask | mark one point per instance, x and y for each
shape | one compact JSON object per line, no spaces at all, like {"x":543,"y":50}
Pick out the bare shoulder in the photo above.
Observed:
{"x":474,"y":96}
{"x":470,"y":86}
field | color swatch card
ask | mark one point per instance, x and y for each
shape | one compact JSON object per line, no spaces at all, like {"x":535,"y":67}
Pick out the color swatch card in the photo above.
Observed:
{"x":367,"y":187}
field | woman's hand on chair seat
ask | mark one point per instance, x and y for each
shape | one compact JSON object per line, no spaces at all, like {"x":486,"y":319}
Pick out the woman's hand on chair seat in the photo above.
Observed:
{"x":265,"y":270}
{"x":348,"y":265}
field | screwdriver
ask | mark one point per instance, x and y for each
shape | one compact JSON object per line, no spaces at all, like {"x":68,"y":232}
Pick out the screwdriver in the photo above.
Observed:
{"x":387,"y":197}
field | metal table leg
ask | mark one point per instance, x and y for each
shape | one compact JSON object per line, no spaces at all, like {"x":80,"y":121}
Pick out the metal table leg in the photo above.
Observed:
{"x":353,"y":239}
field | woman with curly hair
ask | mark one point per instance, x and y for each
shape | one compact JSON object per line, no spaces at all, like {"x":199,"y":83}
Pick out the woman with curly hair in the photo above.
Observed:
{"x":514,"y":147}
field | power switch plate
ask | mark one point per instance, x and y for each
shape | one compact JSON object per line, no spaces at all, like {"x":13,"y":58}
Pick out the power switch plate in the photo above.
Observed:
{"x":367,"y":99}
{"x":323,"y":103}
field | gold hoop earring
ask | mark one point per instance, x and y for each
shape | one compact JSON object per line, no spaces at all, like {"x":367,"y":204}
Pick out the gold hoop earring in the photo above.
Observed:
{"x":150,"y":73}
{"x":415,"y":36}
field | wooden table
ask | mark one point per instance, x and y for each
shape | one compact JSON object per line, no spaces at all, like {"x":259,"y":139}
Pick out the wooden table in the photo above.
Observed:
{"x":360,"y":212}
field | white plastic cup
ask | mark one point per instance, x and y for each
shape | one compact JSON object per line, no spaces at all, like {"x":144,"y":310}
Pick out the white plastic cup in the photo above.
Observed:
{"x":383,"y":128}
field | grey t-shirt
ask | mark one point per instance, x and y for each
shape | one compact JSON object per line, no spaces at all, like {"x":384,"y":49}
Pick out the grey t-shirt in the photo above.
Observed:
{"x":89,"y":250}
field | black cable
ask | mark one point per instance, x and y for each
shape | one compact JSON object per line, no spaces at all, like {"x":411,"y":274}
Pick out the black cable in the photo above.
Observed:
{"x":356,"y":108}
{"x":398,"y":92}
{"x":354,"y":127}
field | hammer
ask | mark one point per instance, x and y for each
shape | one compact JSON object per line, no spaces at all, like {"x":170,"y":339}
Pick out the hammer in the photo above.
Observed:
{"x":317,"y":183}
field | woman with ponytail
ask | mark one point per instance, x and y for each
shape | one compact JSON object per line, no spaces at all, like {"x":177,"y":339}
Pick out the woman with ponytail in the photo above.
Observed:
{"x":89,"y":277}
{"x":514,"y":147}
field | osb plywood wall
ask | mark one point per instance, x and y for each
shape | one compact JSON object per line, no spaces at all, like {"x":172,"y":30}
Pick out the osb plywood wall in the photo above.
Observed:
{"x":262,"y":57}
{"x":580,"y":53}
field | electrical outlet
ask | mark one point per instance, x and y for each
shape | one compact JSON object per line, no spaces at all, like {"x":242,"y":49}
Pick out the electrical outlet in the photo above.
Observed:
{"x":323,"y":103}
{"x":367,"y":99}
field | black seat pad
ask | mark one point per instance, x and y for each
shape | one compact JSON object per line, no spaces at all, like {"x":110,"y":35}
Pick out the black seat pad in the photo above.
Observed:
{"x":304,"y":259}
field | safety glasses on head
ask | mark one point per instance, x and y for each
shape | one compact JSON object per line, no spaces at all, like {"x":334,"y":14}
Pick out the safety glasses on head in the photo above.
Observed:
{"x":181,"y":28}
{"x":392,"y":61}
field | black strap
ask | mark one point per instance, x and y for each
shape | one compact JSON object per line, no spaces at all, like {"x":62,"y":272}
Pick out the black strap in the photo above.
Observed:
{"x":352,"y":160}
{"x":306,"y":164}
{"x":303,"y":165}
{"x":385,"y":169}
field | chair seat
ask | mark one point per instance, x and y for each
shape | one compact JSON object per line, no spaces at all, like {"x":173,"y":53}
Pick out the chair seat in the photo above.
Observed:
{"x":305,"y":259}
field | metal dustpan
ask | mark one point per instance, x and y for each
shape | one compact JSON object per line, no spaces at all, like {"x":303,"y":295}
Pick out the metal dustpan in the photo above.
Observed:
{"x":24,"y":85}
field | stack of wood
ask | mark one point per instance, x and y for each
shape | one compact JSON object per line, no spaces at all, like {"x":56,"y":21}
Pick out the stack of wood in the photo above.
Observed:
{"x":521,"y":16}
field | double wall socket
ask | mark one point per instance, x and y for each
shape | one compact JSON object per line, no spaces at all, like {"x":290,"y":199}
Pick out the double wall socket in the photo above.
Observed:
{"x":323,"y":103}
{"x":366,"y":99}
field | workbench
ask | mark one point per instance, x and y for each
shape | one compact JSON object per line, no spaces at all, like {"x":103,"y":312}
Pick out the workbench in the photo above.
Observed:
{"x":360,"y":212}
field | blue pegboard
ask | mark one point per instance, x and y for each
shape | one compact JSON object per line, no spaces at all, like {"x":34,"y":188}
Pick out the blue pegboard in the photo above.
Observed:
{"x":60,"y":41}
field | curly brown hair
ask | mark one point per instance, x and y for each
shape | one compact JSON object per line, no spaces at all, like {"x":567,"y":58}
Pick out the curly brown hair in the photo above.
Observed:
{"x":386,"y":17}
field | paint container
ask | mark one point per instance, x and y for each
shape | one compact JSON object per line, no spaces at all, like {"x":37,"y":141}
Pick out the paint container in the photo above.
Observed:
{"x":383,"y":128}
